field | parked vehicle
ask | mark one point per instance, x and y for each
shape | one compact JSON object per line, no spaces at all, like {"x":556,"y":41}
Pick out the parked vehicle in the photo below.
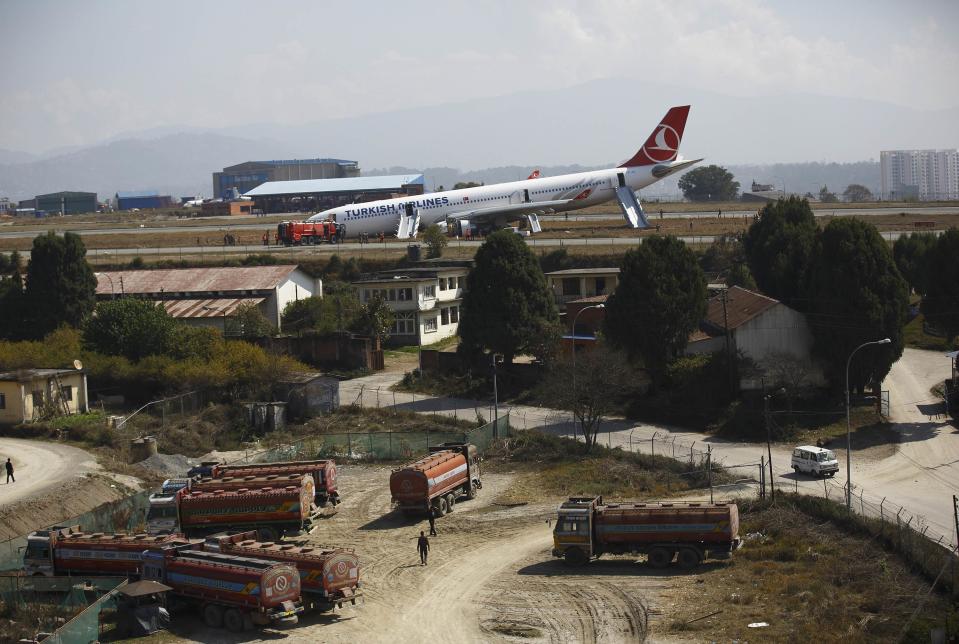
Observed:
{"x":251,"y":482}
{"x":814,"y":460}
{"x":329,"y":577}
{"x":450,"y":472}
{"x":293,"y":233}
{"x":322,"y":471}
{"x":231,"y":591}
{"x":161,"y":515}
{"x":586,"y":528}
{"x":67,"y":550}
{"x":271,"y":512}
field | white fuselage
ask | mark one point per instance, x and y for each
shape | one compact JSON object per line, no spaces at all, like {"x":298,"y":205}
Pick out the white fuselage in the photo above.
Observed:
{"x":584,"y":188}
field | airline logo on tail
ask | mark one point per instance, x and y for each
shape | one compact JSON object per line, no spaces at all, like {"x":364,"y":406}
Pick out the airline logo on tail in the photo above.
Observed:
{"x":662,"y":146}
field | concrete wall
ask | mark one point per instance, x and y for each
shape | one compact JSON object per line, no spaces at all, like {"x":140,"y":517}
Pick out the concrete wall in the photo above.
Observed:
{"x":779,"y":331}
{"x":298,"y":286}
{"x":21,"y":403}
{"x":13,"y":411}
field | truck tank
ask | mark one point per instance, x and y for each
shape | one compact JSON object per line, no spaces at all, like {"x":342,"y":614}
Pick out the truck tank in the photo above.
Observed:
{"x":421,"y":481}
{"x":222,"y":509}
{"x":322,"y":471}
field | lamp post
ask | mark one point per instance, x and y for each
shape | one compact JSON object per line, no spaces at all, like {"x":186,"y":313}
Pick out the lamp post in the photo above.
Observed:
{"x":769,"y":449}
{"x":576,"y":317}
{"x":495,"y":359}
{"x":113,"y":292}
{"x":848,"y":424}
{"x":784,"y":185}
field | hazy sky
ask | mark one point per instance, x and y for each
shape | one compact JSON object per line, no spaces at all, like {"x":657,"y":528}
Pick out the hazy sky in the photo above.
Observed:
{"x":79,"y":72}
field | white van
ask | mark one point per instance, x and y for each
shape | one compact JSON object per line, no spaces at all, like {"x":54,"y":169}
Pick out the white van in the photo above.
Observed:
{"x":814,"y":460}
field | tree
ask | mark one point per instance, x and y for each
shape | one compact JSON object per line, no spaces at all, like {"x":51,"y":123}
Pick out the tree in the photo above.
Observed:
{"x":940,"y":305}
{"x":466,"y":184}
{"x":660,"y":300}
{"x":709,"y":183}
{"x":248,"y":321}
{"x":61,"y":286}
{"x":739,"y":275}
{"x":826,"y":196}
{"x":131,"y":328}
{"x":590,"y":388}
{"x":337,"y":310}
{"x":12,"y":300}
{"x":436,"y":240}
{"x":855,"y":294}
{"x":376,"y":319}
{"x":507,"y":300}
{"x":855,"y":192}
{"x":911,"y":253}
{"x":778,"y":245}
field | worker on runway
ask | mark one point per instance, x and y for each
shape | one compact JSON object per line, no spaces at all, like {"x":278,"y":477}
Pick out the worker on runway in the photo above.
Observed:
{"x":10,"y":477}
{"x":422,"y":544}
{"x":431,"y":515}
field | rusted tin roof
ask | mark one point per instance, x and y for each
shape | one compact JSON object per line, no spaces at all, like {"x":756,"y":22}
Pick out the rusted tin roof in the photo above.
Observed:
{"x":741,"y":307}
{"x":209,"y":308}
{"x":193,"y":280}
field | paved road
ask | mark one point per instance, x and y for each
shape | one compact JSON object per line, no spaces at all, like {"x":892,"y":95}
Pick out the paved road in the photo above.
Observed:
{"x":40,"y":466}
{"x":920,"y":476}
{"x":231,"y":225}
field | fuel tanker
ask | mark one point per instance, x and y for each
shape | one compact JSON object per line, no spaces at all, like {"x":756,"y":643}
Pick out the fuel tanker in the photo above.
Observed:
{"x":271,"y":511}
{"x":450,"y":472}
{"x":329,"y":577}
{"x":322,"y":471}
{"x":231,"y":591}
{"x":586,"y":528}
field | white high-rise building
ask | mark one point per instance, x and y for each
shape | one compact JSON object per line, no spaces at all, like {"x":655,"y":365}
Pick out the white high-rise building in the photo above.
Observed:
{"x":927,"y":175}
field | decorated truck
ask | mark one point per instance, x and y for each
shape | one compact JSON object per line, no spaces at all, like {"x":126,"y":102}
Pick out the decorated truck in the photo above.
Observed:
{"x":270,"y":511}
{"x":322,"y":471}
{"x":67,"y":550}
{"x":329,"y":577}
{"x":161,"y":515}
{"x":450,"y":472}
{"x":586,"y":528}
{"x":230,"y":591}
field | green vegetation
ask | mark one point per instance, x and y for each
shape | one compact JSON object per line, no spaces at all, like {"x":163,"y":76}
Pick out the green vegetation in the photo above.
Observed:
{"x":337,"y":310}
{"x":778,"y":247}
{"x":660,"y":300}
{"x":940,"y":304}
{"x":507,"y":307}
{"x":436,"y":240}
{"x":60,"y":288}
{"x":709,"y":183}
{"x":131,"y":328}
{"x":911,"y":253}
{"x":857,"y":193}
{"x":915,"y":336}
{"x":248,"y":321}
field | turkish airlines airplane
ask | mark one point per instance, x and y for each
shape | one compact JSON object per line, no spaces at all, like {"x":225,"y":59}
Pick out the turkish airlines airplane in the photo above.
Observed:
{"x":493,"y":206}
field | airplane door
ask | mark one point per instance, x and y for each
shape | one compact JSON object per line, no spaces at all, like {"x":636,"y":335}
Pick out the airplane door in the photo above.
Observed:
{"x":621,"y":178}
{"x":525,"y":195}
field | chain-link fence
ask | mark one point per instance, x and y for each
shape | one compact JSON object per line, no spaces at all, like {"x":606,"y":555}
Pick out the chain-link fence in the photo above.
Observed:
{"x":168,"y":410}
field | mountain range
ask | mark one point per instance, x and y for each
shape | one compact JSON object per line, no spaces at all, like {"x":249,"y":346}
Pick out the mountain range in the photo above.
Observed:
{"x":797,"y":139}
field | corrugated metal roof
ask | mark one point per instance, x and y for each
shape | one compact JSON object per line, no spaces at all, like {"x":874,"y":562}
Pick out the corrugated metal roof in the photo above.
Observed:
{"x":350,"y":184}
{"x":133,"y":194}
{"x":22,"y":375}
{"x":305,"y":161}
{"x":741,"y":307}
{"x":209,"y":308}
{"x":584,"y":271}
{"x":193,"y":280}
{"x":593,"y":299}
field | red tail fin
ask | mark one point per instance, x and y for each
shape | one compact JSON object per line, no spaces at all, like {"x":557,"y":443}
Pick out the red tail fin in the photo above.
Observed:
{"x":662,"y":145}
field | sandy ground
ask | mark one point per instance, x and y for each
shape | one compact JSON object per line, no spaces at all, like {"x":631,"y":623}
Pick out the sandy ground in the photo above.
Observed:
{"x":490,"y":577}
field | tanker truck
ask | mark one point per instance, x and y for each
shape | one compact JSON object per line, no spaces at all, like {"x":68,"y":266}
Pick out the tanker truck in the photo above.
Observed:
{"x":450,"y":472}
{"x":329,"y":577}
{"x":271,"y":511}
{"x":230,"y":591}
{"x":322,"y":471}
{"x":586,"y":528}
{"x":68,"y":550}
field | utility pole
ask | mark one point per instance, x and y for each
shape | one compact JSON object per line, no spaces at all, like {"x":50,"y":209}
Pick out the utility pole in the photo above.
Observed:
{"x":494,"y":360}
{"x":729,"y":356}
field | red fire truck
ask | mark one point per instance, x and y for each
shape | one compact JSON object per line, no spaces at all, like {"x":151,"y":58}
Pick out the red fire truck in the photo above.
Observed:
{"x":322,"y":471}
{"x":330,"y":577}
{"x":293,"y":233}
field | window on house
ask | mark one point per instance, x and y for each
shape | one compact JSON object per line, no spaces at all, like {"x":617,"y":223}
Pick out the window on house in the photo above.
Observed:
{"x":404,"y":324}
{"x":445,"y":316}
{"x":600,"y":286}
{"x":571,"y":286}
{"x":392,"y":295}
{"x":3,"y":401}
{"x":37,"y":398}
{"x":429,"y":325}
{"x":429,"y":291}
{"x":454,"y":314}
{"x":442,"y":283}
{"x":405,"y":294}
{"x":67,"y":392}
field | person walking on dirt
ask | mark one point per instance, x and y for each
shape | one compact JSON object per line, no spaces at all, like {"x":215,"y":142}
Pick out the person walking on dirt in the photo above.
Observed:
{"x":10,"y":472}
{"x":423,"y":545}
{"x":431,"y":515}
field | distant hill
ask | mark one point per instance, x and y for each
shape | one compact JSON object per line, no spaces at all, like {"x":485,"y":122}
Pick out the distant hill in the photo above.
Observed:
{"x":791,"y":137}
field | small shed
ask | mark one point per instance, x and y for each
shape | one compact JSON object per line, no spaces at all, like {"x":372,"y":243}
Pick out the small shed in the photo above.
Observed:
{"x":309,"y":393}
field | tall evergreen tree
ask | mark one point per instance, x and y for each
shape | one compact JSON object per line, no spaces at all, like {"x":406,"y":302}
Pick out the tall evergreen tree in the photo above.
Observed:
{"x":778,"y":246}
{"x":911,"y":253}
{"x":660,"y":300}
{"x":61,"y":286}
{"x":855,"y":294}
{"x":940,"y":304}
{"x":507,"y":304}
{"x":12,"y":301}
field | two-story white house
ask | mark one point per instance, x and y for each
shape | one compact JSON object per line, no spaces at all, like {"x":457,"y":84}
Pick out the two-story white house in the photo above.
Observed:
{"x":575,"y":283}
{"x":426,"y":301}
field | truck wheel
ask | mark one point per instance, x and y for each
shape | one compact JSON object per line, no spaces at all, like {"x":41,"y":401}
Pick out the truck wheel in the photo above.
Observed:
{"x":796,"y":469}
{"x":233,"y":620}
{"x":688,"y":558}
{"x":575,"y":557}
{"x":472,"y":493}
{"x":450,"y":502}
{"x":213,"y":616}
{"x":659,"y":557}
{"x":441,"y":506}
{"x":267,"y":534}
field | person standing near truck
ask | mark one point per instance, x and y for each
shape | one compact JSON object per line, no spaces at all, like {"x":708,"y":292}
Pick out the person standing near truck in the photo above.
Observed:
{"x":423,"y":546}
{"x":431,"y":515}
{"x":10,"y":472}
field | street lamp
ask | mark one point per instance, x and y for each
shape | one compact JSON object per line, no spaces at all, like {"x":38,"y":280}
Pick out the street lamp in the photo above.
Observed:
{"x":495,"y":359}
{"x":113,"y":292}
{"x":769,"y":449}
{"x":848,"y":426}
{"x":576,"y":317}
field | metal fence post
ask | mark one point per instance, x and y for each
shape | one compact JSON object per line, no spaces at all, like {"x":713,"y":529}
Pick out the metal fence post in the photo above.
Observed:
{"x":691,"y":453}
{"x":709,"y":470}
{"x":391,"y":443}
{"x":862,"y":509}
{"x":762,"y":481}
{"x":377,"y":397}
{"x":652,"y":444}
{"x":349,"y":446}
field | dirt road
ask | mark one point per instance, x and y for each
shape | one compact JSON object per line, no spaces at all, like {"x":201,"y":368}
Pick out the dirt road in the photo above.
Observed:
{"x":40,"y":467}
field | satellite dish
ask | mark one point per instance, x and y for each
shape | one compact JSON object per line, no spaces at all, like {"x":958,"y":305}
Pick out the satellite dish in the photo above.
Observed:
{"x":77,"y":365}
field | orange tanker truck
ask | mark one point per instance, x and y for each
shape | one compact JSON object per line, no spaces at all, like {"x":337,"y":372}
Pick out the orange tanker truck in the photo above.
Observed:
{"x":451,"y":471}
{"x":231,"y":591}
{"x":329,"y":577}
{"x":323,"y":473}
{"x":586,"y":528}
{"x":271,"y":511}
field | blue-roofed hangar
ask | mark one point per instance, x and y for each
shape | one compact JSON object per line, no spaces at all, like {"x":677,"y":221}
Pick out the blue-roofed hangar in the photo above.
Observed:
{"x":143,"y":200}
{"x":246,"y":176}
{"x":320,"y":194}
